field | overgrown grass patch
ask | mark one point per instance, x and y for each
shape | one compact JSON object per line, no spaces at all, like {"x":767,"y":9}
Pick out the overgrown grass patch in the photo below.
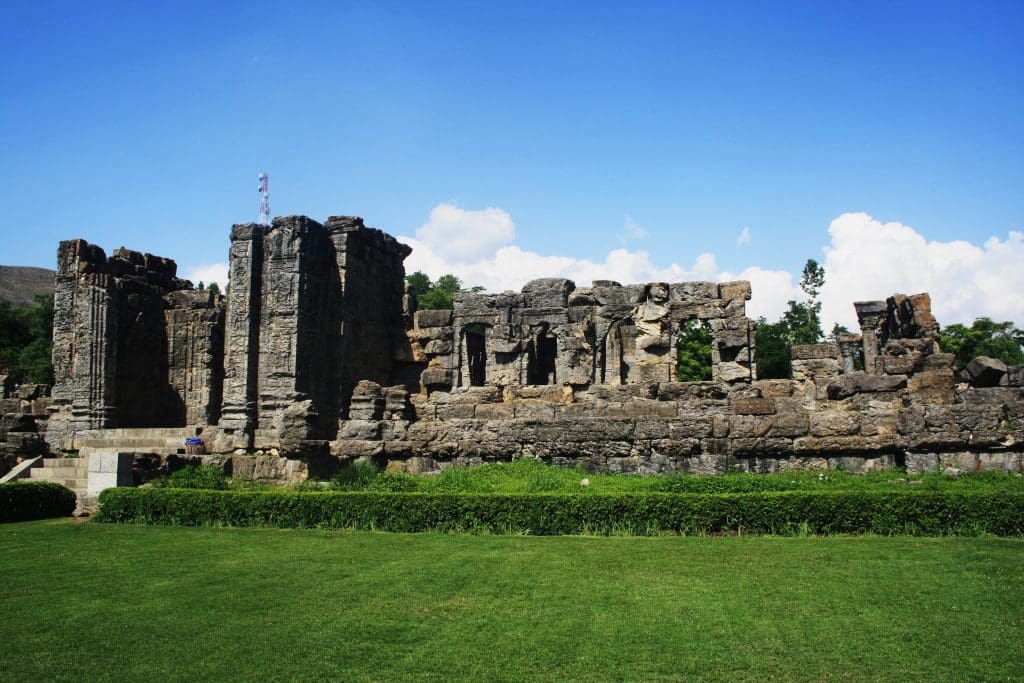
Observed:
{"x":534,"y":476}
{"x":116,"y":602}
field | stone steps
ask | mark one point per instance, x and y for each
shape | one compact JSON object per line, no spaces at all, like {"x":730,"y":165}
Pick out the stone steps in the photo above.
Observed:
{"x":72,"y":473}
{"x":137,"y":445}
{"x":160,"y":440}
{"x":59,"y":472}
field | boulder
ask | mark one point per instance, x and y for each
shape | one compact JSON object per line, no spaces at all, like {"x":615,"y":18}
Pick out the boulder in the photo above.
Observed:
{"x":861,"y":382}
{"x":984,"y":371}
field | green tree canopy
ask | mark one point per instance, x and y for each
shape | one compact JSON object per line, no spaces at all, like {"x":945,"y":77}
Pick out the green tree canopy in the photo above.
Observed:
{"x":694,"y":352}
{"x":436,"y":295}
{"x":773,"y":350}
{"x":26,"y":341}
{"x":984,"y":337}
{"x":419,"y":283}
{"x":800,"y":324}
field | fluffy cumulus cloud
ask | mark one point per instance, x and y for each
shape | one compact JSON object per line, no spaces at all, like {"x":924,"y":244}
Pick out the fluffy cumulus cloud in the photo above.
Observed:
{"x":467,"y":236}
{"x":207,"y":273}
{"x":867,"y":259}
{"x":478,"y":246}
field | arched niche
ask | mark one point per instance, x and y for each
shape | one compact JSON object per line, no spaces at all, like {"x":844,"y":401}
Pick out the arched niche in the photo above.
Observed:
{"x":542,"y":358}
{"x":619,"y":357}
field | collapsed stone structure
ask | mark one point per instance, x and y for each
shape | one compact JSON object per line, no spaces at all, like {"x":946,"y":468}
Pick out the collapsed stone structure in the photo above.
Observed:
{"x":317,"y":355}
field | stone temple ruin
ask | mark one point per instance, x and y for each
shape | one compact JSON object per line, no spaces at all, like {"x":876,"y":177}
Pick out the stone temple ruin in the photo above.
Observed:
{"x":317,"y":355}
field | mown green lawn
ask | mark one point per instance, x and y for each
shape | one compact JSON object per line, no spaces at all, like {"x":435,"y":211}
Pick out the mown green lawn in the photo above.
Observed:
{"x":98,"y":601}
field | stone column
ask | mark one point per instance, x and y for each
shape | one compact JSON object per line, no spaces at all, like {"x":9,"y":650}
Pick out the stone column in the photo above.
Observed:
{"x":849,"y":344}
{"x":871,"y":315}
{"x":242,"y":323}
{"x":94,"y":389}
{"x":84,"y":342}
{"x":279,"y":329}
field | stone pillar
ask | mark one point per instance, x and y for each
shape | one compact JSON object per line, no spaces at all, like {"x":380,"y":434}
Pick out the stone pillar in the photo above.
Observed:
{"x":84,"y":342}
{"x":194,"y":321}
{"x":95,"y":367}
{"x":242,"y":324}
{"x":109,"y":470}
{"x":871,"y":315}
{"x":849,"y":346}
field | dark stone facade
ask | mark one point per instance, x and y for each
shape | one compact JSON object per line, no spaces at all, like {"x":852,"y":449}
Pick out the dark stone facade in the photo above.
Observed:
{"x":317,"y":350}
{"x":133,"y":345}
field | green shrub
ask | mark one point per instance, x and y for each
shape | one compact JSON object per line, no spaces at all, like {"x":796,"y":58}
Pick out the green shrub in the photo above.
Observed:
{"x":394,"y":482}
{"x":785,"y":512}
{"x":527,"y":475}
{"x":21,"y":501}
{"x":194,"y":477}
{"x":355,"y":476}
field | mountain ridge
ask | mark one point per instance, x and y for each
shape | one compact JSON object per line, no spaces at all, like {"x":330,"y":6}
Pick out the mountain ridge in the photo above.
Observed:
{"x":19,"y":284}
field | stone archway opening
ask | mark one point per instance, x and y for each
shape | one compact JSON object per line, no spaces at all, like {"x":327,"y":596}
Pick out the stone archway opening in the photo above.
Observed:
{"x":543,"y":359}
{"x":476,"y":355}
{"x":694,"y":351}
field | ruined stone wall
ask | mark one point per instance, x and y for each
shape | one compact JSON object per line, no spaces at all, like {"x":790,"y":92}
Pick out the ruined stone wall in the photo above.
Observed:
{"x":905,"y":410}
{"x":113,"y":360}
{"x":312,"y":309}
{"x":23,"y":415}
{"x":320,"y":352}
{"x":194,"y":322}
{"x":555,"y":333}
{"x":373,"y":284}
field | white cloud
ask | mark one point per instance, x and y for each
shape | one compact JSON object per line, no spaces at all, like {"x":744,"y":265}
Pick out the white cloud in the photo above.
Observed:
{"x":466,"y":236}
{"x":499,"y":265}
{"x":207,"y":273}
{"x":864,"y":260}
{"x":868,"y":260}
{"x":744,"y":236}
{"x":631,"y":230}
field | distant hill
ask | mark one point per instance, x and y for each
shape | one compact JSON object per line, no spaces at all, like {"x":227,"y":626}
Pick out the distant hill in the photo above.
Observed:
{"x":18,"y":284}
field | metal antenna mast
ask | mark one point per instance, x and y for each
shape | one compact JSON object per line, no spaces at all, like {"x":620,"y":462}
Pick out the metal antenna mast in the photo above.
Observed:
{"x":264,"y":218}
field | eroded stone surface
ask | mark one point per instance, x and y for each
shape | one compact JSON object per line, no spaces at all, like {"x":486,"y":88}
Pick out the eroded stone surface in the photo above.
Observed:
{"x":318,"y":355}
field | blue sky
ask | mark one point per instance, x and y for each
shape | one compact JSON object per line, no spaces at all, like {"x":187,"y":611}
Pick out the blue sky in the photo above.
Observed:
{"x":665,"y":129}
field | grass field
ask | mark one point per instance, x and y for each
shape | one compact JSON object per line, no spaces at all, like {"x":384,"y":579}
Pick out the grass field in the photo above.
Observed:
{"x":95,"y":602}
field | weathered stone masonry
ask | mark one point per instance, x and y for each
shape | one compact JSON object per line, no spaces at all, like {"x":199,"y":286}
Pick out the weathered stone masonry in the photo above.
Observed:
{"x":133,"y":345}
{"x":317,"y":349}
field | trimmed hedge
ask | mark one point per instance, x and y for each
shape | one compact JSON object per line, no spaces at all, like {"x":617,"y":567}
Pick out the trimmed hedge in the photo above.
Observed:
{"x":789,"y":512}
{"x":22,"y":501}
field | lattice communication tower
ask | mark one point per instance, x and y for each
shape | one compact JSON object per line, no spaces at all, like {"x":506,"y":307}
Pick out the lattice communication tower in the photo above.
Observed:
{"x":264,"y":218}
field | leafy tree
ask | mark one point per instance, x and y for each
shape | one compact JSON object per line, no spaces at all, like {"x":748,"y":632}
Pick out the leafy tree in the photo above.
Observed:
{"x":773,"y":345}
{"x":694,"y":352}
{"x":437,"y":295}
{"x":215,"y":288}
{"x":812,"y":279}
{"x":804,"y":318}
{"x":26,"y":345}
{"x":201,"y":287}
{"x":799,"y":324}
{"x":838,"y":331}
{"x":984,"y":337}
{"x":419,"y":283}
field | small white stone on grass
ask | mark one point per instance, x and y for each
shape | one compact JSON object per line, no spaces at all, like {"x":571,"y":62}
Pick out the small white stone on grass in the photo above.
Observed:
{"x":584,"y":482}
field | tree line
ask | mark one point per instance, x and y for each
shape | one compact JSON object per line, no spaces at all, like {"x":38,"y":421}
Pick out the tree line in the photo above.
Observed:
{"x":801,"y":324}
{"x":26,"y":341}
